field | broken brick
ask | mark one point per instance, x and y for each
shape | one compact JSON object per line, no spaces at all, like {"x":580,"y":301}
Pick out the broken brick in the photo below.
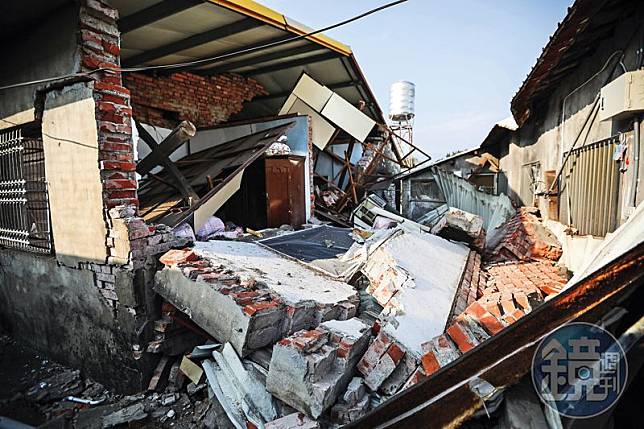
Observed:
{"x":174,"y":257}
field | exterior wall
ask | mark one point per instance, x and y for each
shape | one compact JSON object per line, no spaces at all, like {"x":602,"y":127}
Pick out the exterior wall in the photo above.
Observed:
{"x":90,"y":304}
{"x":73,"y":176}
{"x":57,"y":55}
{"x":205,"y":101}
{"x":58,"y":309}
{"x":544,"y":139}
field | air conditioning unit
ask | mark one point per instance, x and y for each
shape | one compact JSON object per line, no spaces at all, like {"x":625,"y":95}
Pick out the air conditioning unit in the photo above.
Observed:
{"x":623,"y":96}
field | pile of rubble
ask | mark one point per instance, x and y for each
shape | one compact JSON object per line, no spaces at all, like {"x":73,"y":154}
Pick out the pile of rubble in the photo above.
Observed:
{"x":305,"y":342}
{"x":261,"y":332}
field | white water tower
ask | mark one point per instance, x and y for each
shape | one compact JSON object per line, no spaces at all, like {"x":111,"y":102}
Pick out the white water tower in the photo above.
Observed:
{"x":402,"y":96}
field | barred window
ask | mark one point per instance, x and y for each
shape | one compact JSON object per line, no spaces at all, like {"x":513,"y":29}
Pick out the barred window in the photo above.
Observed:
{"x":24,"y":205}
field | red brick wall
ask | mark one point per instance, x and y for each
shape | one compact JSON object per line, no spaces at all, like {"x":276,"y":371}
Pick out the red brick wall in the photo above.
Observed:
{"x":99,"y":46}
{"x":205,"y":101}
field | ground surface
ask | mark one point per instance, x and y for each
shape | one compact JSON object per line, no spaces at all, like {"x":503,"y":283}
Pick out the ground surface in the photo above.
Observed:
{"x":33,"y":391}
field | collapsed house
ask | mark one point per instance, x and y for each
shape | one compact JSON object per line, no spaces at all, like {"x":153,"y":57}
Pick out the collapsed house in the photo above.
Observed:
{"x":103,"y":167}
{"x":191,"y":182}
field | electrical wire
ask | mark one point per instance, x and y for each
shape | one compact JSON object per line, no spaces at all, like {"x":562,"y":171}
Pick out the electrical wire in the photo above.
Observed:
{"x":209,"y":60}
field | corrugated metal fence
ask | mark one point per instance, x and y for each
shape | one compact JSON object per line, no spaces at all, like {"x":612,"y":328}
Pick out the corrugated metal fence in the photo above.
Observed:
{"x":459,"y":193}
{"x":589,"y":198}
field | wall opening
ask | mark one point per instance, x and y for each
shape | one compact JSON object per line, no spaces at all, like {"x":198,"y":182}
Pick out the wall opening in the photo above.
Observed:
{"x":24,"y":204}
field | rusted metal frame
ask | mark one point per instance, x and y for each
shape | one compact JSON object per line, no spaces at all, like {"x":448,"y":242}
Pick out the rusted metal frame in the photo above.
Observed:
{"x":328,"y":182}
{"x":347,"y":158}
{"x":182,"y":183}
{"x":409,"y":143}
{"x":335,"y":217}
{"x":439,"y":400}
{"x":280,"y":130}
{"x":378,"y":153}
{"x":358,"y":180}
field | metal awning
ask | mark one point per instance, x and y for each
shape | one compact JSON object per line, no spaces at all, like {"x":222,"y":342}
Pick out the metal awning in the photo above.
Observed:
{"x":156,"y":32}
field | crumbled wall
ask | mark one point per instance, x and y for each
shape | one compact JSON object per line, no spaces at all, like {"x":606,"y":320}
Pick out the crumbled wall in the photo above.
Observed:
{"x":100,"y":47}
{"x":205,"y":101}
{"x":91,"y":306}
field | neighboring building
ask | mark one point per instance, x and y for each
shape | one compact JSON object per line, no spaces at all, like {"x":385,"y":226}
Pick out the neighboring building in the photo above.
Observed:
{"x":576,"y":155}
{"x":420,"y":192}
{"x":77,"y":256}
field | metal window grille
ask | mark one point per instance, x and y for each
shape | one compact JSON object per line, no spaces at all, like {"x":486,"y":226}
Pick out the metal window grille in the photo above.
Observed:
{"x":24,"y":204}
{"x":591,"y":188}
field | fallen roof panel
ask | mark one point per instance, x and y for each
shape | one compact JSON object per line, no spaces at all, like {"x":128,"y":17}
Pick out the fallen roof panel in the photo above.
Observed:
{"x":223,"y":163}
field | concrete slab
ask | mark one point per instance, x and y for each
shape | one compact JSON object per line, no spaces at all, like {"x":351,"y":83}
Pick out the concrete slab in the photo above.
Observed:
{"x":251,"y":296}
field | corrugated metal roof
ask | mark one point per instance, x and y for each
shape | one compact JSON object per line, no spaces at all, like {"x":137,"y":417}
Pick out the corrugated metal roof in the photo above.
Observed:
{"x":161,"y":32}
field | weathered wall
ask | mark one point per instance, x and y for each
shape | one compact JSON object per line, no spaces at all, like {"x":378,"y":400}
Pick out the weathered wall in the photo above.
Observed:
{"x":543,"y":138}
{"x":205,"y":101}
{"x":58,"y":310}
{"x":41,"y":51}
{"x":91,"y":304}
{"x":73,"y":176}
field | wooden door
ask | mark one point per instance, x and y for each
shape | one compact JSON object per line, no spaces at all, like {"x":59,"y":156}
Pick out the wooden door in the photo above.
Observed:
{"x":285,"y":191}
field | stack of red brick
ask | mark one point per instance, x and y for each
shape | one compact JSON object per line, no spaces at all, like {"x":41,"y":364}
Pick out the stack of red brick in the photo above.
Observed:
{"x":380,"y":360}
{"x":205,"y":101}
{"x":253,"y":297}
{"x":524,"y":237}
{"x":473,"y":281}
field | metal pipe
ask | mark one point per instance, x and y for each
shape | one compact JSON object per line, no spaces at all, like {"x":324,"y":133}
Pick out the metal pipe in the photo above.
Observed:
{"x":636,"y":161}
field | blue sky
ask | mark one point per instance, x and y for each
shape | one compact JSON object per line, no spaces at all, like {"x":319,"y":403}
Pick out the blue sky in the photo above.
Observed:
{"x":467,"y":58}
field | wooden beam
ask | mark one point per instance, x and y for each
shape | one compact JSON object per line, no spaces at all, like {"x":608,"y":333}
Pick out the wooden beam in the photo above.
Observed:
{"x":182,"y":183}
{"x":192,"y":41}
{"x":347,"y":162}
{"x":161,"y":151}
{"x":294,"y":63}
{"x":154,"y":13}
{"x":271,"y":56}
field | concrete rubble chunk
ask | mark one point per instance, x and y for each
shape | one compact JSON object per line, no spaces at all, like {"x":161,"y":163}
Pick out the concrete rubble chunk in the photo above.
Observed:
{"x":293,"y":421}
{"x":125,"y":415}
{"x":459,"y":225}
{"x":251,"y":297}
{"x":353,"y":404}
{"x":249,"y":389}
{"x":309,"y":370}
{"x":397,"y":379}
